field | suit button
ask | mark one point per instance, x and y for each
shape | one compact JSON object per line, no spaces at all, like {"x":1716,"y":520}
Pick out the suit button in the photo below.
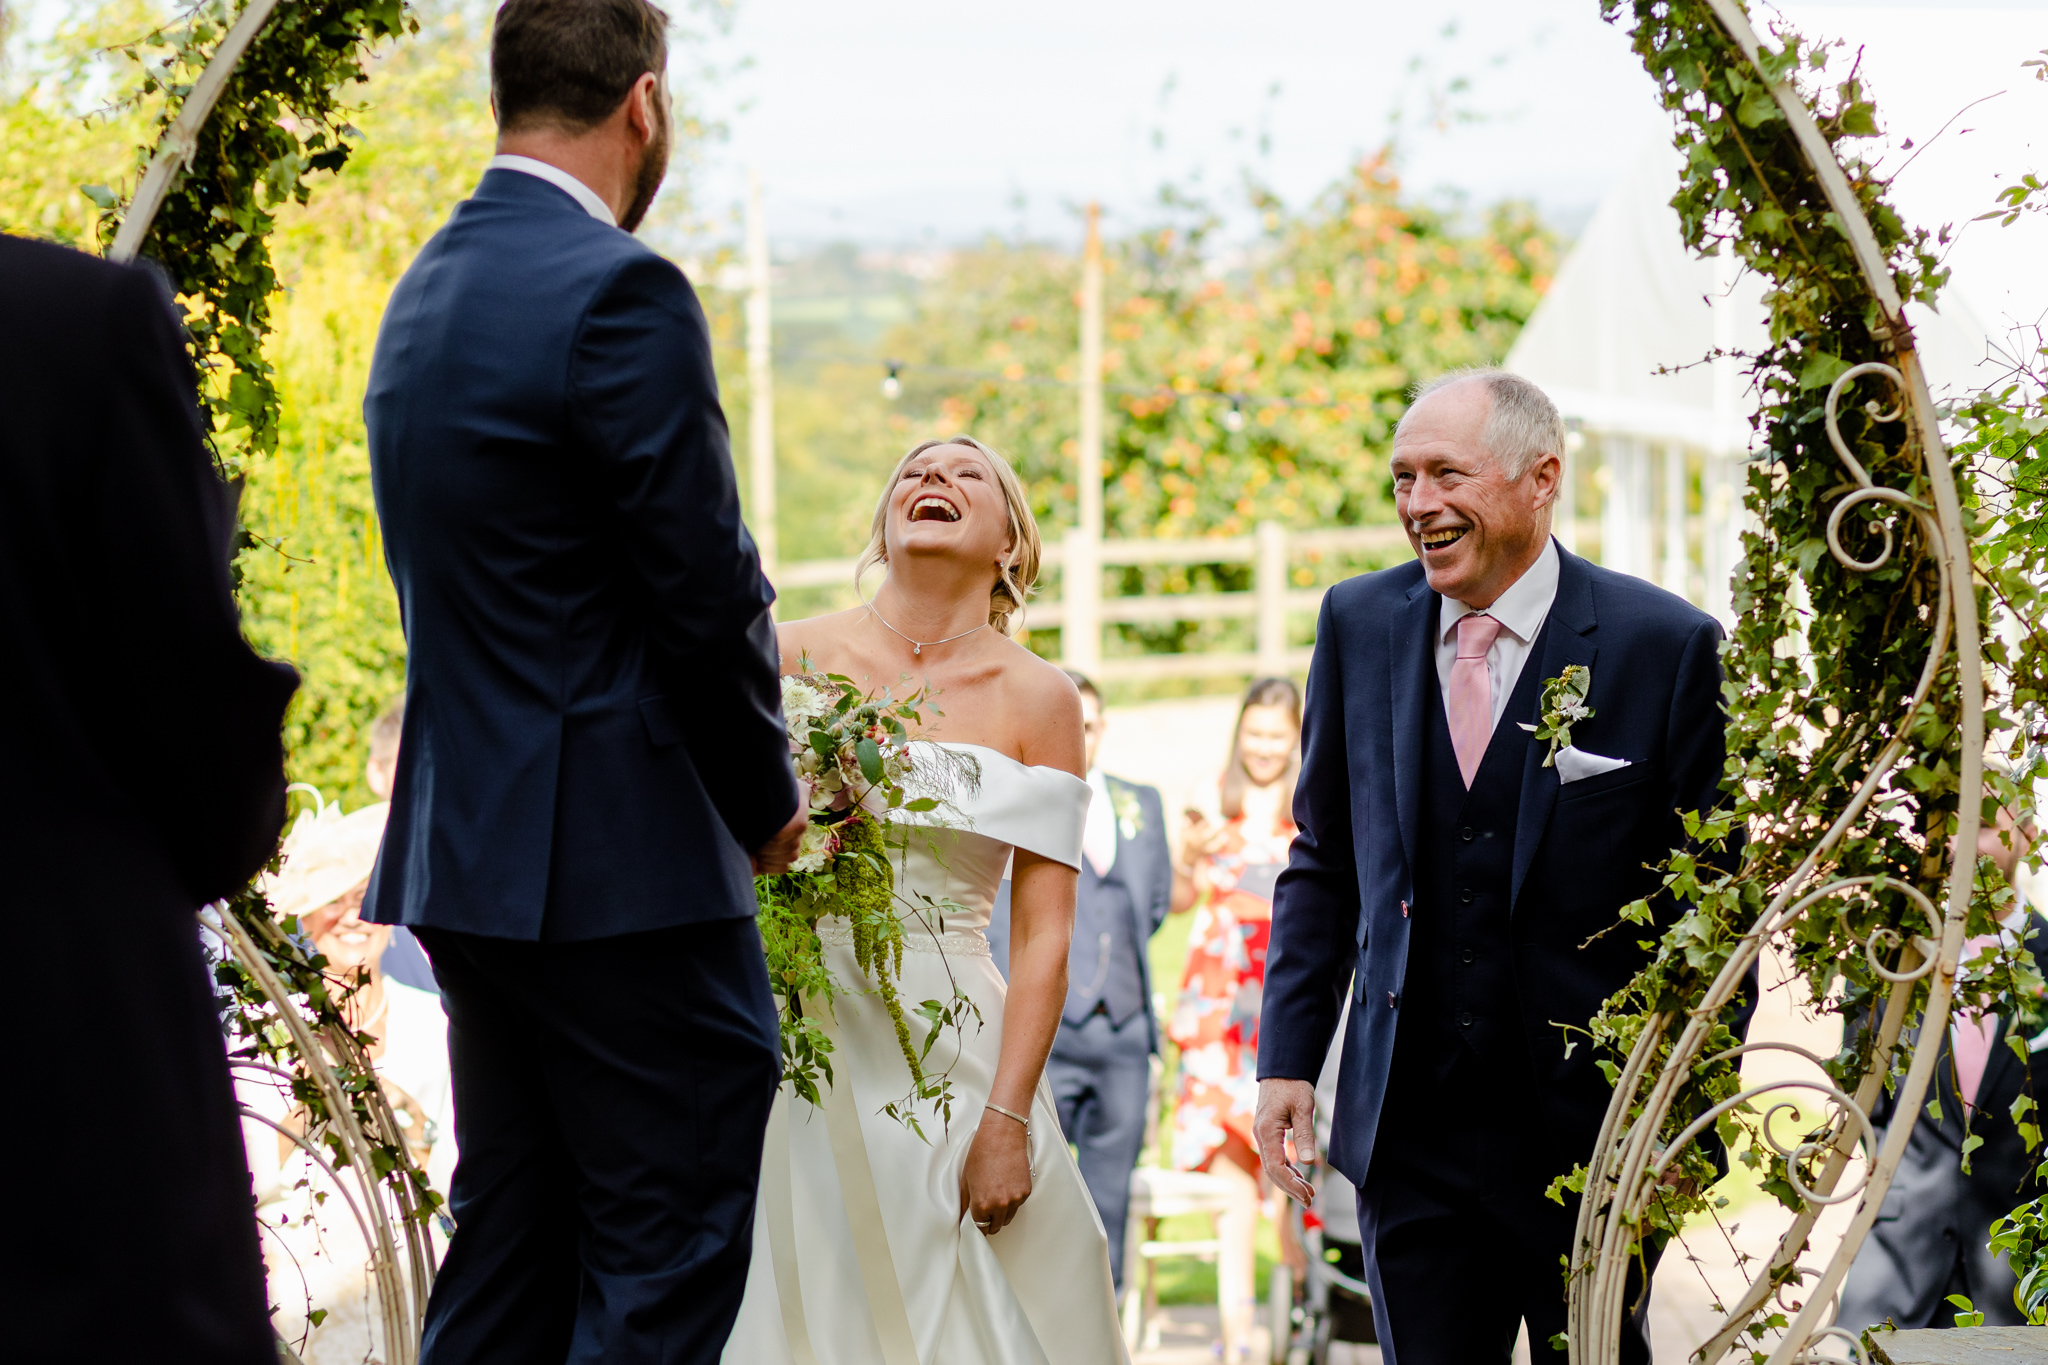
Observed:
{"x":1465,"y":1019}
{"x":1466,"y":957}
{"x":1464,"y":895}
{"x":1392,"y":1000}
{"x":1466,"y":834}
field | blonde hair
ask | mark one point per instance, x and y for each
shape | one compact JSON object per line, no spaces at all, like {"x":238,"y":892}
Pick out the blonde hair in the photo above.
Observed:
{"x":1016,"y":576}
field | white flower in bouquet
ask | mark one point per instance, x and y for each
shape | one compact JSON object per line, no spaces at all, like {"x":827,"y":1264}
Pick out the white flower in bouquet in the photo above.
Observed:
{"x":815,"y":854}
{"x":802,"y":703}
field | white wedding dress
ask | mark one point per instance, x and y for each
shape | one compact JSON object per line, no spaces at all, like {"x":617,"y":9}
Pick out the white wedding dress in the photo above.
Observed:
{"x":862,"y":1252}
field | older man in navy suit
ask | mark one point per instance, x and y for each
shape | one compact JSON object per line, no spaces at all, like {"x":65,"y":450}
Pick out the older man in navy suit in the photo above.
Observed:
{"x":1457,"y":884}
{"x":593,"y":764}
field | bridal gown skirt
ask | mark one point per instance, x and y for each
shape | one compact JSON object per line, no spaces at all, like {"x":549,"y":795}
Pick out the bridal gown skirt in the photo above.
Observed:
{"x":1036,"y":1293}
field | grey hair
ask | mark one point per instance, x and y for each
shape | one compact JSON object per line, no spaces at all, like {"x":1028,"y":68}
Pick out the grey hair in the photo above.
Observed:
{"x":1522,"y":426}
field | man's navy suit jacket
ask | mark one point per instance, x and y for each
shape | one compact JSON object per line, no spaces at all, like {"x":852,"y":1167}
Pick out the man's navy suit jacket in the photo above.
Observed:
{"x":1340,"y":910}
{"x":593,"y":734}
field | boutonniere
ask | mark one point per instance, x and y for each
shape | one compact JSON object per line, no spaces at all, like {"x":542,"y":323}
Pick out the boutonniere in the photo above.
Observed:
{"x":1564,"y":705}
{"x":1130,"y":816}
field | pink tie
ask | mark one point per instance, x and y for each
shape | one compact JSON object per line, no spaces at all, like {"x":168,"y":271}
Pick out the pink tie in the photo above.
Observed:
{"x":1469,"y":703}
{"x":1975,"y":1034}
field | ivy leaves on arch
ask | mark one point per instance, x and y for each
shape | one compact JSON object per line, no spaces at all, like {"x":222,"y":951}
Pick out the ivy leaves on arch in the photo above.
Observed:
{"x":1864,"y":676}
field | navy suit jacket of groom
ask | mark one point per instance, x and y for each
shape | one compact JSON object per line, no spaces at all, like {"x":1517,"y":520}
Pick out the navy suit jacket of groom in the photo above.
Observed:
{"x":593,"y":734}
{"x":1579,"y":851}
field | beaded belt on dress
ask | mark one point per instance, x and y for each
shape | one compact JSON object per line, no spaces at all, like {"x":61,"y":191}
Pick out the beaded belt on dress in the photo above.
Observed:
{"x":916,"y":938}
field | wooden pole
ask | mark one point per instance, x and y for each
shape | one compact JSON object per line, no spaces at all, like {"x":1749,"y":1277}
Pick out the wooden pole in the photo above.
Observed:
{"x":1081,"y":575}
{"x":760,"y":383}
{"x":1269,"y":586}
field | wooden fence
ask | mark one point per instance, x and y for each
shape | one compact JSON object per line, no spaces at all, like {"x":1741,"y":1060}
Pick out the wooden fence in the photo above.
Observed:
{"x":1080,"y":611}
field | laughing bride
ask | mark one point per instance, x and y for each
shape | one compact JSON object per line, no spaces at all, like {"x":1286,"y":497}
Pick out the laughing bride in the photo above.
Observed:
{"x":976,"y":1244}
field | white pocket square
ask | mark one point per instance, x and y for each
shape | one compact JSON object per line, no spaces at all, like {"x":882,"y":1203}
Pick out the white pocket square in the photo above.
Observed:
{"x":1576,"y":765}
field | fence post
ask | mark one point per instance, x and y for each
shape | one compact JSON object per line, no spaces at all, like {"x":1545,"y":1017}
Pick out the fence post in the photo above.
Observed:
{"x":1269,"y":586}
{"x":1081,"y":600}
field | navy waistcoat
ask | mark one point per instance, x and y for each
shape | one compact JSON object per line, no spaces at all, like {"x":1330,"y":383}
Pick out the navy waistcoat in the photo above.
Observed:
{"x":1460,"y":990}
{"x":1102,"y":964}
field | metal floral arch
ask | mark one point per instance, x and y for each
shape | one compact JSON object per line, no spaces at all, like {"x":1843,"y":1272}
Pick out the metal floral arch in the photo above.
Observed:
{"x":1629,"y":1160}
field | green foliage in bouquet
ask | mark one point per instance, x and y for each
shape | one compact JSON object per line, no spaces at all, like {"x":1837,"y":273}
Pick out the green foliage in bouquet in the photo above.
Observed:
{"x":1825,"y":663}
{"x":853,"y":755}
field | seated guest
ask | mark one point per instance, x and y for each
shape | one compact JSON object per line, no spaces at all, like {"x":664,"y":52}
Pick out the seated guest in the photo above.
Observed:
{"x":1101,"y":1065}
{"x":1930,"y":1238}
{"x":327,"y":862}
{"x":318,"y":1260}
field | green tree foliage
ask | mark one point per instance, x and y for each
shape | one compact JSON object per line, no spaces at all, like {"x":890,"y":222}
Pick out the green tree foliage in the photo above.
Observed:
{"x":1339,"y":312}
{"x":314,"y":586}
{"x":1242,"y":386}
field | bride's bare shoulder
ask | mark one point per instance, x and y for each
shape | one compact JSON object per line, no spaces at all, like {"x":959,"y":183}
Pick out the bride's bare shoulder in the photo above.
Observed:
{"x":1044,"y":710}
{"x":817,"y":638}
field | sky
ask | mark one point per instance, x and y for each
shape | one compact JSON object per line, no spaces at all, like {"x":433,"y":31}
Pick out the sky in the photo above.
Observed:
{"x":906,"y":122}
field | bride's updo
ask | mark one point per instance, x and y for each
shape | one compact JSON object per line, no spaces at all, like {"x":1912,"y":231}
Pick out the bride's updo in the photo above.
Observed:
{"x":1017,"y":576}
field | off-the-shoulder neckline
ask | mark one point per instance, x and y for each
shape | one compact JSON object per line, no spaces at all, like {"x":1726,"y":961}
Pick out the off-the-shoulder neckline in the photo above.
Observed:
{"x":1014,"y":762}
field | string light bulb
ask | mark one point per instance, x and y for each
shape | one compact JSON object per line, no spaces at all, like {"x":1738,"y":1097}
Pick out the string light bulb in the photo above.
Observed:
{"x":1233,"y":420}
{"x":892,"y":387}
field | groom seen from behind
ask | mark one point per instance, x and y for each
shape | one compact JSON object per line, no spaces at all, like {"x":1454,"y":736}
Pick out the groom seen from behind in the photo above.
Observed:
{"x":1458,"y":886}
{"x":593,"y":763}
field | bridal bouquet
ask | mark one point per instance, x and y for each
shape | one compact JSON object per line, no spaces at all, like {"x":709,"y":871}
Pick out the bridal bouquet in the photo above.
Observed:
{"x":854,"y":762}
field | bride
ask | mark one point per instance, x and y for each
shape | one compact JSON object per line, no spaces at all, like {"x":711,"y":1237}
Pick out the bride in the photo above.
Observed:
{"x":976,"y":1243}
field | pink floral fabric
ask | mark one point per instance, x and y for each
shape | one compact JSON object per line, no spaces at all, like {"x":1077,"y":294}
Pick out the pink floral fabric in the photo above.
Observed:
{"x":1216,"y":1023}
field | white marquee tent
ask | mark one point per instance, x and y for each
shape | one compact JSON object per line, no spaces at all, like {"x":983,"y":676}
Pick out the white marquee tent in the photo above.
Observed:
{"x":1630,"y":301}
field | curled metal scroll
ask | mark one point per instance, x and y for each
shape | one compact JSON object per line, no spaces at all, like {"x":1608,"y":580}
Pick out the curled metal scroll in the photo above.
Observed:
{"x":393,"y":1224}
{"x":1627,"y":1159}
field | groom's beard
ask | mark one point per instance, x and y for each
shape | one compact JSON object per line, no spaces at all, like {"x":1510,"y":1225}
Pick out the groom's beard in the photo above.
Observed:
{"x":653,"y":166}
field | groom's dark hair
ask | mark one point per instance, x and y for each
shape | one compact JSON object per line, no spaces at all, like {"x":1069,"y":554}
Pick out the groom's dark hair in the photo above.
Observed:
{"x":570,"y":62}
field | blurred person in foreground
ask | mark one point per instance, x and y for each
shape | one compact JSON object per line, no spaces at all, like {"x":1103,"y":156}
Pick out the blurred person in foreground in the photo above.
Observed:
{"x":593,"y":764}
{"x":141,"y":776}
{"x":1231,"y":863}
{"x":1930,"y":1237}
{"x":1458,"y":883}
{"x":1101,"y":1063}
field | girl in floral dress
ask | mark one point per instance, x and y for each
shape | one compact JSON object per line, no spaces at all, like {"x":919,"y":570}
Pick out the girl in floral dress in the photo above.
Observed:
{"x":1233,"y":865}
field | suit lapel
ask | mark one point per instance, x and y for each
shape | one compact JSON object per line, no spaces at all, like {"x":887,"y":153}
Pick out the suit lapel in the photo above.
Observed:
{"x":1567,"y":631}
{"x":1411,"y":654}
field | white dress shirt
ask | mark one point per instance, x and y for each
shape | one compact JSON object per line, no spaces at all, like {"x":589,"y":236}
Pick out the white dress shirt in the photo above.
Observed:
{"x":1521,"y":611}
{"x":1098,"y":835}
{"x":561,"y":180}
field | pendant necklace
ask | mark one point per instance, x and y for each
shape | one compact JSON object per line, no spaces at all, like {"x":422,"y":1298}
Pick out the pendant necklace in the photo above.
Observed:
{"x":917,"y":646}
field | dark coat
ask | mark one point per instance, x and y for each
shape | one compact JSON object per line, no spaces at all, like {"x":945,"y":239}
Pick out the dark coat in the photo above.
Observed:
{"x":141,"y":775}
{"x":593,"y":730}
{"x":1579,"y":852}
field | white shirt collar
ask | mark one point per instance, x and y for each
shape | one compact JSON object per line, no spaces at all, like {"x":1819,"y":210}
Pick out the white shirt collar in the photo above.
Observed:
{"x":1522,"y":608}
{"x":1098,"y":831}
{"x":561,"y":180}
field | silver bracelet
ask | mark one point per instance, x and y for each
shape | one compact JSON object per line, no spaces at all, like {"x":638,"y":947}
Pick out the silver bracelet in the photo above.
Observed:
{"x":1010,"y":1114}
